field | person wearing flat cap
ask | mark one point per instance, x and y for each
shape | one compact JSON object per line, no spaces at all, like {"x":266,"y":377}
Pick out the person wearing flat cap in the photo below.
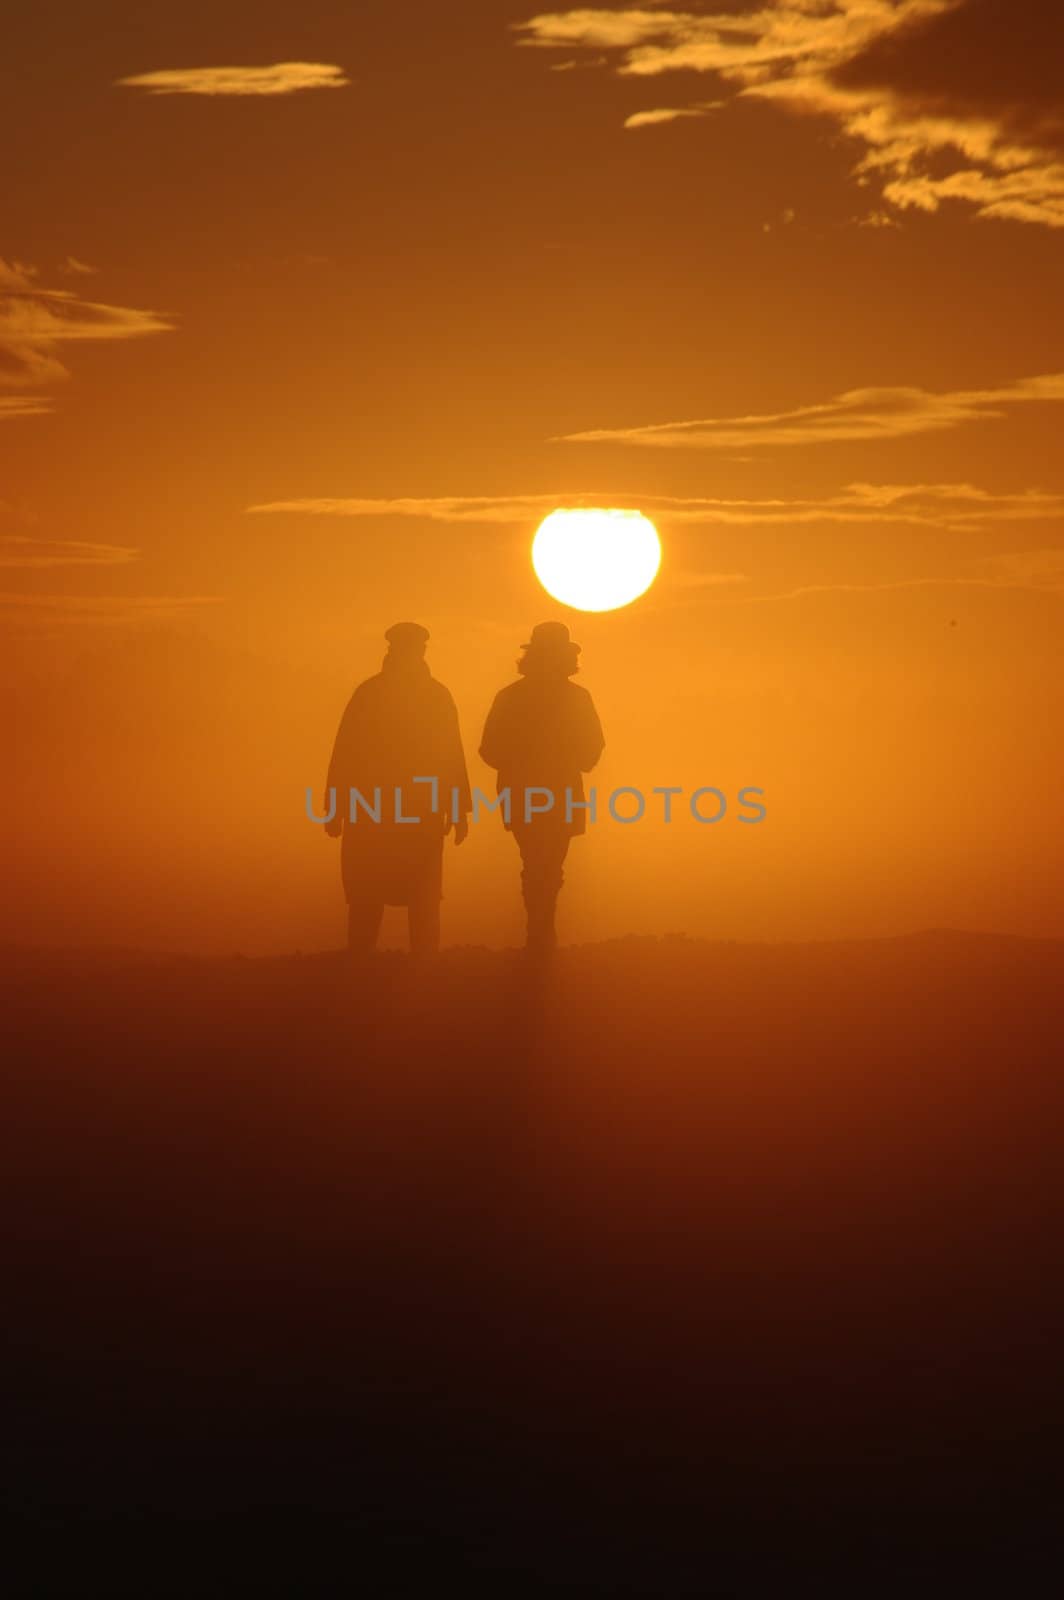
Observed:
{"x":398,"y":726}
{"x":543,"y":733}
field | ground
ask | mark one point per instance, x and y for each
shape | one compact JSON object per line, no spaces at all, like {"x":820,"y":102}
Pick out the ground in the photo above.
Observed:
{"x":671,"y":1268}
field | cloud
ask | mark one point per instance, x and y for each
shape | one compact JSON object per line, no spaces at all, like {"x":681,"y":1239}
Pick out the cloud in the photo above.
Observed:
{"x":1035,"y":194}
{"x":1032,"y":569}
{"x":440,"y":508}
{"x":652,"y":119}
{"x":957,"y":506}
{"x":952,"y":100}
{"x":997,"y":60}
{"x":73,"y":268}
{"x":952,"y":505}
{"x":859,"y":414}
{"x":780,"y":37}
{"x":40,"y":610}
{"x":285,"y":77}
{"x":575,"y":66}
{"x":35,"y":321}
{"x":708,"y":580}
{"x":18,"y":550}
{"x":936,"y":507}
{"x":23,"y":405}
{"x":786,"y":219}
{"x":1005,"y":580}
{"x":16,"y":275}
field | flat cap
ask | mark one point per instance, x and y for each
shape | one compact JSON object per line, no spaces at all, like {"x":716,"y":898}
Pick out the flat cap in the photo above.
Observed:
{"x":405,"y":635}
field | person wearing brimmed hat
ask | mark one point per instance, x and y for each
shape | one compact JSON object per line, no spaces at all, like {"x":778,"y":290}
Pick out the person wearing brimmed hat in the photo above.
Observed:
{"x":398,"y":726}
{"x":543,"y":733}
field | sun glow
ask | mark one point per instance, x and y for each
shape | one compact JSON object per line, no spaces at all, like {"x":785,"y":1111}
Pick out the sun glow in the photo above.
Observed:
{"x":594,"y":559}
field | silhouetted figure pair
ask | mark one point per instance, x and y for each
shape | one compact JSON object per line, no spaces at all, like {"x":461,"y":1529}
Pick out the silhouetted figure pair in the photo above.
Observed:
{"x":401,"y":786}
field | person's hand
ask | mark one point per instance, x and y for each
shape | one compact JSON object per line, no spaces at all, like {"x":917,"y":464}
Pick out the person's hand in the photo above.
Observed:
{"x":335,"y":826}
{"x":461,"y":830}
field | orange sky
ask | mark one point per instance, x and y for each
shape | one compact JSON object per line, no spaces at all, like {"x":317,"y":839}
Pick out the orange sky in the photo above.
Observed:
{"x":416,"y":282}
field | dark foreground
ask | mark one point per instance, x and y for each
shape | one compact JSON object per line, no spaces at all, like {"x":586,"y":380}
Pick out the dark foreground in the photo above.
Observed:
{"x":685,"y":1270}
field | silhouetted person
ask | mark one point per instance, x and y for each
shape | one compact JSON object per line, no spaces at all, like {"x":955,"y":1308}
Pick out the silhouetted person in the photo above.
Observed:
{"x":543,"y":732}
{"x":398,"y":726}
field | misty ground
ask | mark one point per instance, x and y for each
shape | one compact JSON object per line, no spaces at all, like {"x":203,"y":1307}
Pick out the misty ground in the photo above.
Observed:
{"x":676,"y":1269}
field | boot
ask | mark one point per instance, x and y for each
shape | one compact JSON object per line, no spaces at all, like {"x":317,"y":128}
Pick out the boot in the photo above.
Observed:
{"x":541,"y":936}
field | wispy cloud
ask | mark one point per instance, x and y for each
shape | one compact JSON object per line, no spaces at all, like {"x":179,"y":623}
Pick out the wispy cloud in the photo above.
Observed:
{"x":930,"y":135}
{"x":935,"y":507}
{"x":22,"y":405}
{"x":779,"y":38}
{"x":42,"y":610}
{"x":35,"y":321}
{"x":440,"y":508}
{"x":1035,"y":193}
{"x":653,"y":119}
{"x":942,"y":505}
{"x":19,"y":550}
{"x":576,"y":66}
{"x":859,"y":414}
{"x":1003,"y":580}
{"x":72,"y":267}
{"x":284,"y":77}
{"x":708,"y":580}
{"x":1037,"y":569}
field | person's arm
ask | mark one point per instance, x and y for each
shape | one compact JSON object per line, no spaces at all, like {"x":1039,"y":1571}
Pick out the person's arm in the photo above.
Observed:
{"x":492,"y":744}
{"x":592,"y":738}
{"x":340,"y":766}
{"x":458,"y":778}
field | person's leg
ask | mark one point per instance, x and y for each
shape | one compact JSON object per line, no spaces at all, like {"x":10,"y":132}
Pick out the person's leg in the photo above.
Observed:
{"x":423,"y":904}
{"x":543,"y":852}
{"x":527,"y":845}
{"x":555,"y":848}
{"x":363,"y":925}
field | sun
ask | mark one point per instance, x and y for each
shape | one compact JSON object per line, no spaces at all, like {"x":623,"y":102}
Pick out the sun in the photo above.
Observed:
{"x":594,"y":559}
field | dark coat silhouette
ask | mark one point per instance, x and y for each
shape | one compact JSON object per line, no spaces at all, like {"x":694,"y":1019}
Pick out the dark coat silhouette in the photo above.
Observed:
{"x":543,"y":732}
{"x":398,"y":726}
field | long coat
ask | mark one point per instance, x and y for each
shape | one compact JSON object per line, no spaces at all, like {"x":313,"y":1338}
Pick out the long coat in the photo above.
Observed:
{"x":398,"y":726}
{"x":543,"y":732}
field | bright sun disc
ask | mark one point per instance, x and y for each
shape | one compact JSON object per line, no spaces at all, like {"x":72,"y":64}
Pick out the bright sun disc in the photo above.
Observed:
{"x":596,"y":560}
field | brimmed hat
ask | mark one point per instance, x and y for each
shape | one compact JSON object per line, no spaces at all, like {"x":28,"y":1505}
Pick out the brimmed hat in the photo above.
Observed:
{"x":552,"y":637}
